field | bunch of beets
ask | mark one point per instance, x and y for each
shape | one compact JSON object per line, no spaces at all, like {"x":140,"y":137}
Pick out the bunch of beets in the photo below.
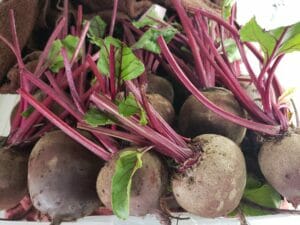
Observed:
{"x":125,"y":112}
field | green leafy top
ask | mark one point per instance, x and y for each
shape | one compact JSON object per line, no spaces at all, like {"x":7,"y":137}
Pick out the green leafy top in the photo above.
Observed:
{"x":127,"y":65}
{"x":260,"y":193}
{"x":129,"y":107}
{"x":267,"y":40}
{"x":226,"y":8}
{"x":97,"y":29}
{"x":148,"y":41}
{"x":95,"y":117}
{"x":128,"y":163}
{"x":55,"y":58}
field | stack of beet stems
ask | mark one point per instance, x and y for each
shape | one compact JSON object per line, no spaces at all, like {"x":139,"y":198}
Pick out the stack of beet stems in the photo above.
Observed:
{"x":201,"y":44}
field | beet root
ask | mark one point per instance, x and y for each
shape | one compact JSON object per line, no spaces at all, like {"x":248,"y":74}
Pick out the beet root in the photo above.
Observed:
{"x":24,"y":25}
{"x":148,"y":184}
{"x":162,"y":106}
{"x":13,"y":176}
{"x":160,"y":85}
{"x":62,"y":177}
{"x":213,"y":186}
{"x":195,"y":119}
{"x":279,"y":162}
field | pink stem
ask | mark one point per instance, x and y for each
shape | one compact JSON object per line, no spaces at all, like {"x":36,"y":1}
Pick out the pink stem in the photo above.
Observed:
{"x":71,"y":83}
{"x":273,"y":130}
{"x":113,"y":17}
{"x":96,"y":149}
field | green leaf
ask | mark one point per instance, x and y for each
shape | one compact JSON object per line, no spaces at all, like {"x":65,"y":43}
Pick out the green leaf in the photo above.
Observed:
{"x":127,"y":164}
{"x":131,"y":66}
{"x":143,"y":117}
{"x":231,"y":49}
{"x":127,"y":65}
{"x":147,"y":20}
{"x":97,"y":28}
{"x":226,"y":8}
{"x":291,"y":40}
{"x":103,"y":62}
{"x":262,"y":194}
{"x":95,"y":118}
{"x":56,"y":60}
{"x":129,"y":107}
{"x":149,"y":39}
{"x":252,"y":32}
{"x":28,"y":112}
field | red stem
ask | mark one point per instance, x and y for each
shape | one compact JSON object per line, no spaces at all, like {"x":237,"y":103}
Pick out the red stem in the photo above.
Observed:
{"x":94,"y":148}
{"x":112,"y":72}
{"x":272,"y":130}
{"x":164,"y":145}
{"x":71,"y":82}
{"x":113,"y":17}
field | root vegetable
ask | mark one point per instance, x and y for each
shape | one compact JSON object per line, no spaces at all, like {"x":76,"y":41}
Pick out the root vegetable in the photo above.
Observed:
{"x":62,"y":177}
{"x":160,"y":85}
{"x":148,"y":184}
{"x":195,"y":119}
{"x":13,"y":176}
{"x":214,"y":185}
{"x":24,"y":24}
{"x":279,"y":162}
{"x":162,"y":106}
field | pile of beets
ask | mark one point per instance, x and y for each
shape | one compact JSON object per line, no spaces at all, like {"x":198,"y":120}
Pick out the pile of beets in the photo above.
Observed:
{"x":125,"y":112}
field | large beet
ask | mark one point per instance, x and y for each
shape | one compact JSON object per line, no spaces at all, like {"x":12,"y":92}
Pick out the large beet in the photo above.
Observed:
{"x":148,"y":184}
{"x":26,"y":13}
{"x":279,"y":162}
{"x":195,"y":119}
{"x":62,"y":177}
{"x":13,"y":176}
{"x":213,"y":186}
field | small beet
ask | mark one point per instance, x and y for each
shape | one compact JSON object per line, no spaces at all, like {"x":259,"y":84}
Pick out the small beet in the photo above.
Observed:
{"x":279,"y":161}
{"x":24,"y":23}
{"x":214,"y":185}
{"x":162,"y":106}
{"x":148,"y":184}
{"x":62,"y":177}
{"x":13,"y":175}
{"x":160,"y":85}
{"x":195,"y":119}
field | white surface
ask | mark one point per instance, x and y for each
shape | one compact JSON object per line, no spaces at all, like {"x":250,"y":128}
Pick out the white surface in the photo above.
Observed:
{"x":7,"y":102}
{"x":151,"y":220}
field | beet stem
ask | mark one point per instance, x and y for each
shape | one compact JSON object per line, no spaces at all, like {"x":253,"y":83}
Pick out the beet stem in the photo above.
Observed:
{"x":71,"y":82}
{"x":165,"y":146}
{"x":96,"y":149}
{"x":113,"y":17}
{"x":268,"y":129}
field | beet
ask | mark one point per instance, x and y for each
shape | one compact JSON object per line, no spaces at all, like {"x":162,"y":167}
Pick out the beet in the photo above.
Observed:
{"x":162,"y":106}
{"x":160,"y":85}
{"x":214,"y":185}
{"x":13,"y":175}
{"x":195,"y":119}
{"x":62,"y":177}
{"x":148,"y":184}
{"x":279,"y":161}
{"x":24,"y":23}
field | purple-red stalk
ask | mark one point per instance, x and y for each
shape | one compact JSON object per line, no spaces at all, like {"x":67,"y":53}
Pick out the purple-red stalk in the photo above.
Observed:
{"x":94,"y":148}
